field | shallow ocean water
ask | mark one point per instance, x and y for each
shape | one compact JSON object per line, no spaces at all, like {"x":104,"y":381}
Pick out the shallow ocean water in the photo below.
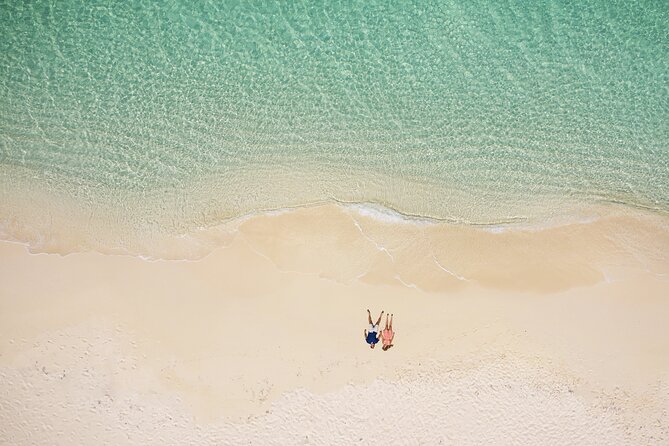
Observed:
{"x":175,"y":116}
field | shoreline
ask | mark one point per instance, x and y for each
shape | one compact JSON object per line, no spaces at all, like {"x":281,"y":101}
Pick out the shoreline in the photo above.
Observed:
{"x":161,"y":245}
{"x":58,"y":216}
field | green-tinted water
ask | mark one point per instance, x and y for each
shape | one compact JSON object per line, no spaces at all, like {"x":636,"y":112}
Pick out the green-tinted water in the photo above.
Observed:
{"x":196,"y":111}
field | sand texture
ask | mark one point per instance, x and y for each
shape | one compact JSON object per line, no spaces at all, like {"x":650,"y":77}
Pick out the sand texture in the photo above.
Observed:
{"x":522,"y":336}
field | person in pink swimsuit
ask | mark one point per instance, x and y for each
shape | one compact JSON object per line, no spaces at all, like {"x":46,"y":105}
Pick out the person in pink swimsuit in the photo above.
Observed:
{"x":387,"y":335}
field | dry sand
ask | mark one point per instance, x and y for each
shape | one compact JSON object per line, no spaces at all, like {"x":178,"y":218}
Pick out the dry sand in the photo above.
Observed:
{"x":522,"y":336}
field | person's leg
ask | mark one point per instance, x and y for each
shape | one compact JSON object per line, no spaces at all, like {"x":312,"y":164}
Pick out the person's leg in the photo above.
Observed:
{"x":379,"y":319}
{"x":391,"y":322}
{"x":386,"y":321}
{"x":369,"y":317}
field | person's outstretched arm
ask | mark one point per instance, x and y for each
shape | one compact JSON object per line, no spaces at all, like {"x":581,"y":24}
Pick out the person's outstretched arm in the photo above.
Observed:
{"x":365,"y":334}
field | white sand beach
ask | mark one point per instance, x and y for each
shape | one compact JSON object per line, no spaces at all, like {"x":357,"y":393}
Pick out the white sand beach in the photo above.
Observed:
{"x":522,"y":336}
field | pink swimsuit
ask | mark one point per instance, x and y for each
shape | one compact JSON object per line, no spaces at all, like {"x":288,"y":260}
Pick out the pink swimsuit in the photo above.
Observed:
{"x":387,"y":336}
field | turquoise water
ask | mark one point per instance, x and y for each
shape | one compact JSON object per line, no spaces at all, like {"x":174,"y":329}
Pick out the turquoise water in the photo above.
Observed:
{"x":193,"y":112}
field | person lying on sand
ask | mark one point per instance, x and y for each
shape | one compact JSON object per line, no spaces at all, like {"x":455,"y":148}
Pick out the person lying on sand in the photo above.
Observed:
{"x":372,"y":336}
{"x":387,"y":334}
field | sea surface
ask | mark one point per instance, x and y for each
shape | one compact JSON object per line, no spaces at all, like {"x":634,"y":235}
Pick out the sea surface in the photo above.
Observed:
{"x":175,"y":115}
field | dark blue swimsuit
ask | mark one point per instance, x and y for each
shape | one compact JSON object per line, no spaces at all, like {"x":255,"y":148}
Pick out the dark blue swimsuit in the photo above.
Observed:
{"x":371,"y":338}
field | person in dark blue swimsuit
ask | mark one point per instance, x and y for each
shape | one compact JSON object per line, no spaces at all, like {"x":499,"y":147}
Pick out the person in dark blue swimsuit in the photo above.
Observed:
{"x":372,"y":335}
